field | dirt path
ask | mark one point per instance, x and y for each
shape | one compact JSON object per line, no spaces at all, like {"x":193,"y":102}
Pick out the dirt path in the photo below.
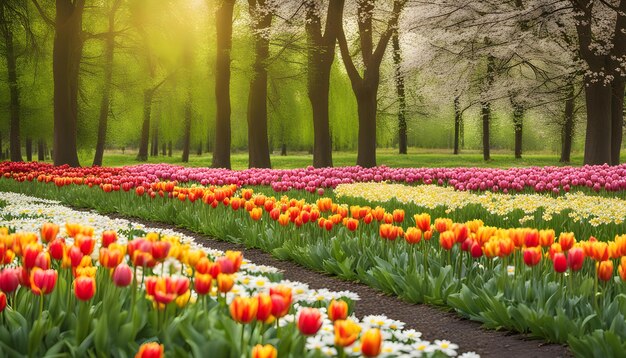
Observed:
{"x":431,"y":321}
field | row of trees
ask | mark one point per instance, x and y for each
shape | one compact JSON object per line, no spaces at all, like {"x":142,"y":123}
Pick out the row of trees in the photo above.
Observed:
{"x":531,"y":54}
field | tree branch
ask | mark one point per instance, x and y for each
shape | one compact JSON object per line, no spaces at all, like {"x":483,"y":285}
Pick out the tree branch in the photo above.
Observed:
{"x":43,"y":14}
{"x":353,"y":73}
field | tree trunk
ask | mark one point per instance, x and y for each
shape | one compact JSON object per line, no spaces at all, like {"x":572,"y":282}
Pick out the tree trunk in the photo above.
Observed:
{"x":397,"y":61}
{"x":66,"y":55}
{"x":109,"y":53}
{"x":29,"y":149}
{"x":258,"y":146}
{"x":154,"y":147}
{"x":41,"y":150}
{"x":14,"y":101}
{"x":598,"y":136}
{"x":486,"y":117}
{"x":367,"y":106}
{"x":224,"y":23}
{"x":187,"y":133}
{"x":145,"y":128}
{"x":457,"y":124}
{"x":169,"y":149}
{"x":320,"y":55}
{"x":283,"y":150}
{"x":568,"y":127}
{"x":518,"y":126}
{"x":164,"y":149}
{"x":617,"y":119}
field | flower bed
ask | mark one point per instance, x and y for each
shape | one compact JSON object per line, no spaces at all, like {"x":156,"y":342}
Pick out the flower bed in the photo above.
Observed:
{"x":109,"y":287}
{"x":538,"y":179}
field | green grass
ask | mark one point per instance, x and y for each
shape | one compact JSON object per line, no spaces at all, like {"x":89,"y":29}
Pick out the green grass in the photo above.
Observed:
{"x":388,"y":157}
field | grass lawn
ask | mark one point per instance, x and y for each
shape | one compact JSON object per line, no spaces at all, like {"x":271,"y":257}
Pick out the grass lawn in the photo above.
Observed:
{"x":388,"y":157}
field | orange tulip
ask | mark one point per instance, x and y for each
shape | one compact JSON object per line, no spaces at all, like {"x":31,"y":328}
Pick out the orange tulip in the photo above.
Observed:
{"x":506,"y":247}
{"x":49,"y":232}
{"x":600,"y":251}
{"x":554,"y":249}
{"x":398,"y":215}
{"x":346,"y":332}
{"x":413,"y":235}
{"x":283,"y":219}
{"x":605,"y":270}
{"x":371,"y":342}
{"x":244,"y":309}
{"x":256,"y":214}
{"x":160,"y":249}
{"x":266,"y":351}
{"x":427,"y":235}
{"x":461,"y":232}
{"x":110,"y":258}
{"x":422,"y":221}
{"x":443,"y":224}
{"x":352,"y":224}
{"x":225,"y":282}
{"x":546,"y":237}
{"x":3,"y":301}
{"x":566,"y":240}
{"x":150,"y":350}
{"x":446,"y":239}
{"x":42,"y":281}
{"x":192,"y":257}
{"x":84,"y":288}
{"x":337,"y":310}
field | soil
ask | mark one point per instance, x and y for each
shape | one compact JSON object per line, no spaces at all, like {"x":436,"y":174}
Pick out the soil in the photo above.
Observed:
{"x":433,"y":322}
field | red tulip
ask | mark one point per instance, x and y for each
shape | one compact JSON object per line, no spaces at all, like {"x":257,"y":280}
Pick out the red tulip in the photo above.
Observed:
{"x":122,"y":275}
{"x":49,"y":232}
{"x":9,"y":279}
{"x":56,"y":248}
{"x":309,"y":321}
{"x":575,"y":258}
{"x":371,"y":342}
{"x":3,"y":301}
{"x":42,"y":281}
{"x":160,"y":249}
{"x":532,"y":256}
{"x":84,"y":287}
{"x":560,"y":262}
{"x":264,"y":311}
{"x":108,"y":237}
{"x":476,"y":250}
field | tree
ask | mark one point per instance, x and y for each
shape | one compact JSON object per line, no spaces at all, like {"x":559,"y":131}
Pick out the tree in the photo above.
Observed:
{"x":66,"y":56}
{"x":258,"y":145}
{"x":365,"y":87}
{"x":224,"y":26}
{"x":13,"y":14}
{"x":320,"y":56}
{"x":601,"y":30}
{"x":109,"y":52}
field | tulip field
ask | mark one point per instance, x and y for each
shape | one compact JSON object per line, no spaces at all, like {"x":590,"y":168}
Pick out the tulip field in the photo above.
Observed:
{"x":540,"y":251}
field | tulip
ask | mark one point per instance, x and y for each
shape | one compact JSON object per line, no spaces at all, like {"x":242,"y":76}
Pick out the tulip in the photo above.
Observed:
{"x":461,"y":232}
{"x":256,"y":214}
{"x":309,"y":321}
{"x":31,"y":252}
{"x":202,"y":283}
{"x":122,"y":275}
{"x":560,"y":262}
{"x":546,"y":237}
{"x":49,"y":232}
{"x":422,"y":221}
{"x":110,"y":258}
{"x":346,"y":332}
{"x":413,"y":235}
{"x":244,"y":309}
{"x":84,"y":288}
{"x":371,"y":342}
{"x":85,"y":243}
{"x":476,"y":250}
{"x":575,"y":258}
{"x":150,"y":350}
{"x":108,"y":237}
{"x":160,"y":249}
{"x":75,"y":255}
{"x":532,"y":238}
{"x":532,"y":256}
{"x":230,"y":262}
{"x":56,"y":248}
{"x":225,"y":282}
{"x":566,"y":240}
{"x":447,"y":240}
{"x":9,"y":279}
{"x":3,"y":301}
{"x":352,"y":224}
{"x":605,"y":270}
{"x":337,"y":310}
{"x":266,"y":351}
{"x":280,"y":306}
{"x":398,"y":215}
{"x":42,"y":281}
{"x":443,"y":224}
{"x":264,"y":311}
{"x":600,"y":251}
{"x":621,"y":268}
